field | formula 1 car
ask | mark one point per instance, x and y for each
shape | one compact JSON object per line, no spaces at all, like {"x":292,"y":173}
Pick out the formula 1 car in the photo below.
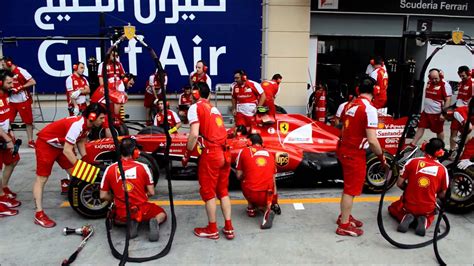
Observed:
{"x":304,"y":153}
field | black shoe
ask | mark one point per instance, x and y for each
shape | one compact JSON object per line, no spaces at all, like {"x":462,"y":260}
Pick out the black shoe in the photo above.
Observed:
{"x":133,"y":229}
{"x":154,"y":230}
{"x":421,"y":226}
{"x":407,"y":220}
{"x":276,"y":208}
{"x":267,"y":220}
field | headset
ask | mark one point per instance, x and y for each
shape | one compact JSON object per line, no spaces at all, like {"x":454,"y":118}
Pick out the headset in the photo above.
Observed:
{"x":440,"y":73}
{"x":127,"y":77}
{"x":375,"y":89}
{"x":8,"y":62}
{"x":196,"y":91}
{"x":204,"y":66}
{"x":243,"y":75}
{"x":75,"y":67}
{"x":132,"y":150}
{"x":465,"y":69}
{"x":437,"y":154}
{"x":92,"y":112}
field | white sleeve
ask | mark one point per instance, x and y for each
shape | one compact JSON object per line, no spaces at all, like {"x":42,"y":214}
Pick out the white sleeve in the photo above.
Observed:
{"x":69,"y":84}
{"x":448,"y":89}
{"x":180,"y":102}
{"x":373,"y":74}
{"x":99,"y":69}
{"x":369,"y":69}
{"x":25,"y":74}
{"x":85,"y":79}
{"x":74,"y":131}
{"x":232,"y":86}
{"x":340,"y":109}
{"x":192,"y":114}
{"x":237,"y":161}
{"x":192,"y":74}
{"x":105,"y":176}
{"x":372,"y":120}
{"x":458,"y":117}
{"x":258,"y":87}
{"x":155,"y":123}
{"x":151,"y":80}
{"x":209,"y":82}
{"x":176,"y":117}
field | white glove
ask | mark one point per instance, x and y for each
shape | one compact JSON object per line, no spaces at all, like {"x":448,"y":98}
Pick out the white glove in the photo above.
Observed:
{"x":76,"y":111}
{"x":75,"y":94}
{"x":463,"y":164}
{"x":155,"y":102}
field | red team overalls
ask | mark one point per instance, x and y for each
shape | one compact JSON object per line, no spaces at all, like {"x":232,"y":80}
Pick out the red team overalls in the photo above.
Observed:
{"x":460,"y":118}
{"x":173,"y":119}
{"x":116,"y":97}
{"x":74,"y":83}
{"x":271,"y":89}
{"x":138,"y":177}
{"x":465,"y":92}
{"x":153,"y":84}
{"x":435,"y":95}
{"x":381,"y":77}
{"x":258,"y":166}
{"x":246,"y":97}
{"x":214,"y":162}
{"x":360,"y":114}
{"x":196,"y":78}
{"x":20,"y":99}
{"x":426,"y":177}
{"x":6,"y":156}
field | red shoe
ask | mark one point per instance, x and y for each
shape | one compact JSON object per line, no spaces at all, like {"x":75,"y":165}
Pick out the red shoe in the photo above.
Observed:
{"x":10,"y":203}
{"x":31,"y":144}
{"x":349,"y":230}
{"x":43,"y":220}
{"x":206,"y":233}
{"x":228,"y":233}
{"x":9,"y":193}
{"x":251,"y":212}
{"x":5,"y":211}
{"x":64,"y":186}
{"x":354,"y":222}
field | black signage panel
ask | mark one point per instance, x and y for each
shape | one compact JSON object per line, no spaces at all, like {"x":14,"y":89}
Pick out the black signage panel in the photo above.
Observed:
{"x":424,"y":25}
{"x":463,"y":8}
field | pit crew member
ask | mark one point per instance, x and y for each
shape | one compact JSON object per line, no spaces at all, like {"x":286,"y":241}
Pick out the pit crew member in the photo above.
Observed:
{"x":173,"y":118}
{"x":114,"y":71}
{"x":153,"y":93}
{"x":7,"y":158}
{"x":437,"y":100}
{"x":184,"y":102}
{"x":139,"y":183}
{"x":20,"y":97}
{"x":246,"y":95}
{"x":77,"y":87}
{"x":214,"y":163}
{"x":380,"y":75}
{"x":423,"y":179}
{"x":200,"y":75}
{"x":358,"y":133}
{"x":56,"y":144}
{"x":467,"y":157}
{"x":465,"y":87}
{"x":256,"y":169}
{"x":271,"y":89}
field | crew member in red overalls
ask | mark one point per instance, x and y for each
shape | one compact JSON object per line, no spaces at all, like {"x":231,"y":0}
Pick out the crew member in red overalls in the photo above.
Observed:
{"x":320,"y":104}
{"x":173,"y":118}
{"x":423,"y":179}
{"x":271,"y":89}
{"x":20,"y":97}
{"x":437,"y":100}
{"x":214,"y":163}
{"x":200,"y":75}
{"x":184,"y":102}
{"x":246,"y":96}
{"x":77,"y":87}
{"x":153,"y":93}
{"x":465,"y":87}
{"x":56,"y":144}
{"x":256,"y":169}
{"x":358,"y":133}
{"x":467,"y":157}
{"x":380,"y":75}
{"x":114,"y":73}
{"x":7,"y":158}
{"x":140,"y":186}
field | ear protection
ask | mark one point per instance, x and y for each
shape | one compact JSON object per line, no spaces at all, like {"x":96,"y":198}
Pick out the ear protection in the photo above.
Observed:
{"x":125,"y":80}
{"x":441,"y":76}
{"x":9,"y":63}
{"x":75,"y":67}
{"x":196,"y":94}
{"x":243,"y":75}
{"x":133,"y":149}
{"x":92,"y":116}
{"x":437,"y":154}
{"x":204,"y":67}
{"x":372,"y":62}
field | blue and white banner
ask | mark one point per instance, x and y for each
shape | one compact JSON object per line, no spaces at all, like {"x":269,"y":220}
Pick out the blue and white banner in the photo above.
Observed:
{"x":225,"y":34}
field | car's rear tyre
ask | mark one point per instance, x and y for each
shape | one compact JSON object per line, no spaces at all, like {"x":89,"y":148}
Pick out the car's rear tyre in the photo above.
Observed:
{"x":151,"y":130}
{"x":280,"y":110}
{"x":84,"y":198}
{"x":375,"y":177}
{"x":462,"y":190}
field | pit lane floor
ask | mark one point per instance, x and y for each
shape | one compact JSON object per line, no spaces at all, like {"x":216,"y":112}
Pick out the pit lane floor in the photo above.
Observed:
{"x":303,"y":234}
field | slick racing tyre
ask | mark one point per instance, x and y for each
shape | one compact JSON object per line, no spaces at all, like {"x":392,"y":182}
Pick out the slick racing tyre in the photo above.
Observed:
{"x":84,"y":198}
{"x":462,"y":190}
{"x":375,"y":177}
{"x":99,"y":133}
{"x":151,"y":130}
{"x":280,"y":110}
{"x":152,"y":165}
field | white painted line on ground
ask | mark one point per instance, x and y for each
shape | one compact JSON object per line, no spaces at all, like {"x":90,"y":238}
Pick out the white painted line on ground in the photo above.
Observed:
{"x":298,"y":206}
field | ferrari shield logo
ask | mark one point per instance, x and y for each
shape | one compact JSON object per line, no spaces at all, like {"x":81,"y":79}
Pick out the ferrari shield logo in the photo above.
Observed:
{"x":457,"y":36}
{"x":129,"y":31}
{"x":284,"y":127}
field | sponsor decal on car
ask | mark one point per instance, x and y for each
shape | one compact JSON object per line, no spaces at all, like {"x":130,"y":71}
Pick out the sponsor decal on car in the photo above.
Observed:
{"x":301,"y":135}
{"x":282,"y":159}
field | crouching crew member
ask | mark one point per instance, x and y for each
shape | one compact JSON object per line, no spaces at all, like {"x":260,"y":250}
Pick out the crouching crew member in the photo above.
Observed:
{"x":271,"y":88}
{"x":359,"y":123}
{"x":256,"y":169}
{"x":77,"y":87}
{"x":214,"y":163}
{"x":467,"y":157}
{"x":173,"y":118}
{"x":422,"y":179}
{"x":184,"y":102}
{"x":139,"y":184}
{"x":153,"y":93}
{"x":245,"y":96}
{"x":7,"y":158}
{"x":56,"y":144}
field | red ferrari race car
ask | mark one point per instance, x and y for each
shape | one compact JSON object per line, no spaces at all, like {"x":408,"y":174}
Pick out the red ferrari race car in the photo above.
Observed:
{"x":304,"y":151}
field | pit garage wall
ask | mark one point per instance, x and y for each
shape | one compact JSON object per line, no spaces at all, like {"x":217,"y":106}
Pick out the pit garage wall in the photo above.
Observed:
{"x":285,"y":38}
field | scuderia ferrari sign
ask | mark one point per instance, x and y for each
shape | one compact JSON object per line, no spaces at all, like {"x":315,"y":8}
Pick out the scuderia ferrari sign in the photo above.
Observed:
{"x":433,"y":5}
